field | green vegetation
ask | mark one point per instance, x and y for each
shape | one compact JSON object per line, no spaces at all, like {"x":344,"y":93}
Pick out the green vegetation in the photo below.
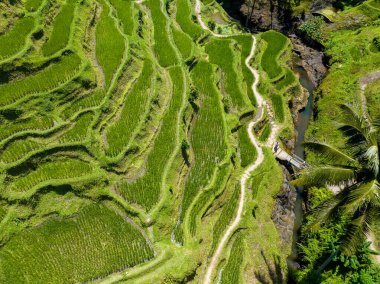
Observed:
{"x":317,"y":246}
{"x":110,"y":44}
{"x":232,"y":271}
{"x":101,"y":240}
{"x":123,"y":141}
{"x":226,"y":216}
{"x":14,"y":40}
{"x":33,"y":5}
{"x":276,"y":45}
{"x":60,"y":35}
{"x":162,"y":44}
{"x":184,"y":19}
{"x":338,"y":250}
{"x":221,"y":53}
{"x":120,"y":132}
{"x":359,"y":163}
{"x":146,"y":190}
{"x":313,"y":28}
{"x":58,"y":170}
{"x":278,"y":107}
{"x":125,"y":13}
{"x":42,"y":81}
{"x":210,"y":151}
{"x":183,"y":42}
{"x":247,"y":151}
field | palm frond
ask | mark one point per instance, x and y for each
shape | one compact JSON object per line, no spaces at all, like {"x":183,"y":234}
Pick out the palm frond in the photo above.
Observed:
{"x":362,"y":194}
{"x":322,"y":175}
{"x":371,"y":156}
{"x":332,"y":208}
{"x":330,"y":154}
{"x":355,"y":125}
{"x":356,"y":231}
{"x":325,"y":212}
{"x":352,"y":116}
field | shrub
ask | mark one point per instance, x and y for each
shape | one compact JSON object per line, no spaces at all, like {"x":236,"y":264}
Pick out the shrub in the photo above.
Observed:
{"x":313,"y":28}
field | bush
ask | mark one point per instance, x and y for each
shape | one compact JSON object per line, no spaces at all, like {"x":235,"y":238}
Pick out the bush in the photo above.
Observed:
{"x":313,"y":29}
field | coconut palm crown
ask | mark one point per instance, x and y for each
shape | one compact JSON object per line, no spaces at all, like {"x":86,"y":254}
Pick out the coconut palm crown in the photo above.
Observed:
{"x":354,"y":172}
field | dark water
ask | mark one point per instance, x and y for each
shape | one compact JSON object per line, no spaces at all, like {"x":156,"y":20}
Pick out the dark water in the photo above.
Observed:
{"x":303,"y":122}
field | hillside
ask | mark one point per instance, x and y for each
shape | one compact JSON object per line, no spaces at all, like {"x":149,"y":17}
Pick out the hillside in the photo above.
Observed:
{"x":127,"y":131}
{"x":137,"y":140}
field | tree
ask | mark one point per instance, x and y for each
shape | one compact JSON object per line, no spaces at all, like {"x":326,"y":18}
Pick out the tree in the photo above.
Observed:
{"x":356,"y":172}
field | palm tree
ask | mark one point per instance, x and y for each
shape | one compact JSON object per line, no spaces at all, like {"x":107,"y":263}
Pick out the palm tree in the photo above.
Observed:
{"x":355,"y":171}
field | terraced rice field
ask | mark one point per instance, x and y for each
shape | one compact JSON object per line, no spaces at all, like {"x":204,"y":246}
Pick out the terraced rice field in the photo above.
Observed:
{"x":123,"y":139}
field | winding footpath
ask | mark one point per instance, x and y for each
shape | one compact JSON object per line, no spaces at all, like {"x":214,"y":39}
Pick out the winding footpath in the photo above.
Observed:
{"x":261,"y":106}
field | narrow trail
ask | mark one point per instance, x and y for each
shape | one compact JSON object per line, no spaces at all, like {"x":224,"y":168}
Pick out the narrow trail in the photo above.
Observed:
{"x":261,"y":107}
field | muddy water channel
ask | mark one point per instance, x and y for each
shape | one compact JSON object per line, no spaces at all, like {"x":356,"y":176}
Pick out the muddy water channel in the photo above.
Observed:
{"x":303,"y":122}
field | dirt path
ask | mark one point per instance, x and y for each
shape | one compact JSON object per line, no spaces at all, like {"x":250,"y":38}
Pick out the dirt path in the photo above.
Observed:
{"x":261,"y":106}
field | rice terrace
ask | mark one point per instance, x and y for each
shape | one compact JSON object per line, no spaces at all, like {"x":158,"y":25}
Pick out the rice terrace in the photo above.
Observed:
{"x":189,"y":141}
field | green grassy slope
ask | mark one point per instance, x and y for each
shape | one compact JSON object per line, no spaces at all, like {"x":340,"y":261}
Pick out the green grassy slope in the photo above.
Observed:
{"x":123,"y":140}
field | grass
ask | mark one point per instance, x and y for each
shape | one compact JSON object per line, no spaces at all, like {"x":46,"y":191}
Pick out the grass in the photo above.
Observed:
{"x":287,"y":80}
{"x":125,"y":13}
{"x":46,"y":79}
{"x":245,"y":42}
{"x":265,"y":133}
{"x":221,"y":53}
{"x":184,"y":18}
{"x":206,"y":197}
{"x":146,"y":190}
{"x":163,"y":48}
{"x":208,"y":134}
{"x":91,"y":100}
{"x":266,"y":183}
{"x":278,"y":107}
{"x":91,"y":244}
{"x":14,"y":40}
{"x":375,"y":4}
{"x":32,"y":5}
{"x":183,"y":42}
{"x":57,"y":170}
{"x":232,"y":271}
{"x":247,"y":151}
{"x":338,"y":87}
{"x":79,"y":131}
{"x":110,"y":44}
{"x":276,"y":42}
{"x":120,"y":133}
{"x":18,"y":149}
{"x":35,"y":122}
{"x":226,"y":216}
{"x":60,"y":35}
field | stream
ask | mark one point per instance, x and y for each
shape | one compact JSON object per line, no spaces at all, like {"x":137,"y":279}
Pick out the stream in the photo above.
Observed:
{"x":303,"y":122}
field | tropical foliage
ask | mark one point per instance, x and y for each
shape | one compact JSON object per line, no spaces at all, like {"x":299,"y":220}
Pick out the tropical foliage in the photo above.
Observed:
{"x":354,"y":173}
